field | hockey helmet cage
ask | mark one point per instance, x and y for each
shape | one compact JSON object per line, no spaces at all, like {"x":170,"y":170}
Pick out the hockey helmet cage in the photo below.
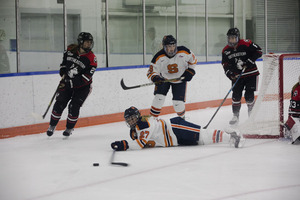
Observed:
{"x":169,"y":40}
{"x":131,"y":116}
{"x":83,"y":36}
{"x":233,"y":32}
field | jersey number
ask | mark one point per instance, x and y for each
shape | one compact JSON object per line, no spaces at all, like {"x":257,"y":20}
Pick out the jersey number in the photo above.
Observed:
{"x":173,"y":68}
{"x":144,"y":134}
{"x":293,"y":104}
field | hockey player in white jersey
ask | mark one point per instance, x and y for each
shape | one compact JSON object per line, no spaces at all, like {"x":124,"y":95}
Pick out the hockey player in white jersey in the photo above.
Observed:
{"x":148,"y":131}
{"x":171,"y":62}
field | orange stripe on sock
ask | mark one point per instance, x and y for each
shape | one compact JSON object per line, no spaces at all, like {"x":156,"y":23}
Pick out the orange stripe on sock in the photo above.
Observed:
{"x":221,"y":136}
{"x":214,"y":136}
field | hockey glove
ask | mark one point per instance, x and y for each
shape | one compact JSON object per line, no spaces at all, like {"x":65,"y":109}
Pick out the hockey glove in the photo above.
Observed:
{"x":158,"y":80}
{"x":249,"y":63}
{"x":62,"y":71}
{"x":133,"y":134}
{"x":62,"y":85}
{"x":230,"y":75}
{"x":120,"y":145}
{"x":188,"y":74}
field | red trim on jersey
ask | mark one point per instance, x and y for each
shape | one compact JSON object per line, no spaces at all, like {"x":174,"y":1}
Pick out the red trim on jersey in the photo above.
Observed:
{"x":241,"y":42}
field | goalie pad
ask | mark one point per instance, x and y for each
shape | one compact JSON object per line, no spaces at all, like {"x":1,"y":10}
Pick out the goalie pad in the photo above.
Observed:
{"x":292,"y":128}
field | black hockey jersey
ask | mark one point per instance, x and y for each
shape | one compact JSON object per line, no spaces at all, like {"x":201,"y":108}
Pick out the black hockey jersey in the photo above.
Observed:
{"x":79,"y":69}
{"x":294,"y":108}
{"x":245,"y":50}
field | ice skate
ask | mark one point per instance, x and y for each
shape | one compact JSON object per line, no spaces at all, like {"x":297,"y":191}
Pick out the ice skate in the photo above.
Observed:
{"x":68,"y":132}
{"x":234,"y":120}
{"x":236,"y":139}
{"x":50,"y":130}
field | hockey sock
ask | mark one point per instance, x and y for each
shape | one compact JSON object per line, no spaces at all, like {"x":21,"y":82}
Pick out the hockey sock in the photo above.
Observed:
{"x":250,"y":106}
{"x":179,"y":108}
{"x":236,"y":107}
{"x":58,"y":108}
{"x":55,"y":117}
{"x":73,"y":114}
{"x":157,"y":104}
{"x":154,"y":111}
{"x":211,"y":136}
{"x":71,"y":121}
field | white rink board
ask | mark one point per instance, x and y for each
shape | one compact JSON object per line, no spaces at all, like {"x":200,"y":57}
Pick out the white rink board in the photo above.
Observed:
{"x":22,"y":95}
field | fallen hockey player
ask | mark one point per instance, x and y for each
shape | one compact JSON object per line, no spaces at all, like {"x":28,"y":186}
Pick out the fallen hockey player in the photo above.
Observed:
{"x":147,"y":131}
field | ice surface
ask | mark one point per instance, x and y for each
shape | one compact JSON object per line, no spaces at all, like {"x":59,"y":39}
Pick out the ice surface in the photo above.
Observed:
{"x":36,"y":167}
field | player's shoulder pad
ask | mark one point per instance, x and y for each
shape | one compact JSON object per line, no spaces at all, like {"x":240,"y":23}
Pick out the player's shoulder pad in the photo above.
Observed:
{"x":142,"y":124}
{"x":245,"y":42}
{"x":183,"y":49}
{"x":93,"y":59}
{"x":158,"y":55}
{"x":226,"y":48}
{"x":295,"y":87}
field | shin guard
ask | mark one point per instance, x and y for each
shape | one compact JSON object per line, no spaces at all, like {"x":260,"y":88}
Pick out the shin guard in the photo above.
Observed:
{"x":179,"y":108}
{"x":157,"y":104}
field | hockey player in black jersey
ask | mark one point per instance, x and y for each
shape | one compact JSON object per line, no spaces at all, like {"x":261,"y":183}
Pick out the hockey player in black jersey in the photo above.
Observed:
{"x":236,"y":55}
{"x":77,"y":68}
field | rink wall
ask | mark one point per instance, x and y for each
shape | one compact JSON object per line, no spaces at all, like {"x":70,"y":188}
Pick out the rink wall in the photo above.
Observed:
{"x":24,"y":94}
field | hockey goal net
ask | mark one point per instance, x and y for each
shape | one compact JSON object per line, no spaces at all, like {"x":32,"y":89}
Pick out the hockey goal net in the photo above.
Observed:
{"x":280,"y":73}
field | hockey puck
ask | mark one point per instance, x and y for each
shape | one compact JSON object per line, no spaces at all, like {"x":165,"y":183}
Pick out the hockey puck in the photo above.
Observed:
{"x":95,"y":164}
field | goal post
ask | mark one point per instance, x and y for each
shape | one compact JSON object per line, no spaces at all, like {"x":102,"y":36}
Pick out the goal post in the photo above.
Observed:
{"x":279,"y":74}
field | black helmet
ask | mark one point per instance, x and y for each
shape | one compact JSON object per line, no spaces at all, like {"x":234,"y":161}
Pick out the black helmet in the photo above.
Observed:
{"x":167,"y":40}
{"x":233,"y":32}
{"x":131,"y":116}
{"x":83,"y":36}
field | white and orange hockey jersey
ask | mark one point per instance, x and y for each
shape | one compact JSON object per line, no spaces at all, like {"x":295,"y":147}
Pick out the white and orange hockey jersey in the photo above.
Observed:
{"x":171,"y":68}
{"x":153,"y":132}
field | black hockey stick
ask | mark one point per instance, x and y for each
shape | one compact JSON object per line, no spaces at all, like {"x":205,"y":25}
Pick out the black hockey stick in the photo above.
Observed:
{"x":225,"y":98}
{"x":117,"y":163}
{"x":146,"y":84}
{"x":51,"y":101}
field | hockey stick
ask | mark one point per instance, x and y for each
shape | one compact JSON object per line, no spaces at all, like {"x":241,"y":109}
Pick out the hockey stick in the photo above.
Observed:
{"x":225,"y":98}
{"x":51,"y":101}
{"x":147,"y":84}
{"x":117,"y":163}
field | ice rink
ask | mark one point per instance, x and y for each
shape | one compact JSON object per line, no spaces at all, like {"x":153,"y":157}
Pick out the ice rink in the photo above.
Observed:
{"x":36,"y":167}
